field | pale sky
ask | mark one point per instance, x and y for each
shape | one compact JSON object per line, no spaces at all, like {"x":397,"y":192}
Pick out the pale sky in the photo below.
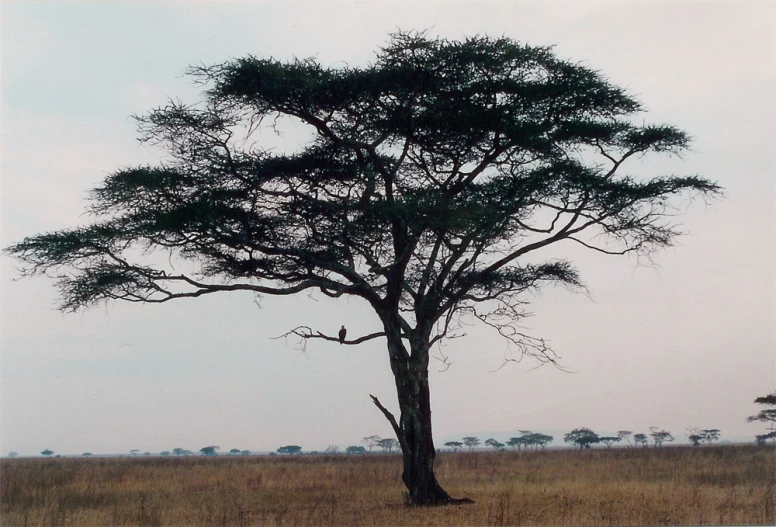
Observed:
{"x":688,"y":342}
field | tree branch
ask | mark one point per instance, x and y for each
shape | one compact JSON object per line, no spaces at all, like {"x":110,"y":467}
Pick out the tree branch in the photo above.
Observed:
{"x":306,"y":332}
{"x":391,"y":419}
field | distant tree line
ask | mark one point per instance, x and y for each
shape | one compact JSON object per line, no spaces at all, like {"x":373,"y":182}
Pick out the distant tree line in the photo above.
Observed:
{"x":584,"y":438}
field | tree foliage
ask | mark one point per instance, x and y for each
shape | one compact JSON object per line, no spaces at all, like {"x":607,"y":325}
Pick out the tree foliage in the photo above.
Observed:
{"x":388,"y":444}
{"x":497,"y":445}
{"x":371,"y":441}
{"x":610,"y":440}
{"x":433,"y":173}
{"x":455,"y":445}
{"x":583,"y":437}
{"x":768,"y":415}
{"x":660,"y":436}
{"x":471,"y":442}
{"x":529,"y":439}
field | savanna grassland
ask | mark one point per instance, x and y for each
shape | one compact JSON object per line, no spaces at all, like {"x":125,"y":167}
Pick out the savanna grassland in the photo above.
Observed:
{"x":626,"y":486}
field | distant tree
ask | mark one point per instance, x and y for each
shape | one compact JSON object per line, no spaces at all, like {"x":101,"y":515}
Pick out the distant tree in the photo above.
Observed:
{"x":290,"y":449}
{"x":533,"y":439}
{"x":455,"y":445}
{"x":495,"y":444}
{"x":371,"y":441}
{"x":388,"y":444}
{"x":209,"y":450}
{"x":12,"y":454}
{"x":134,"y":452}
{"x":660,"y":436}
{"x":710,"y":435}
{"x":86,"y":454}
{"x":530,"y":439}
{"x":584,"y":437}
{"x":516,"y":442}
{"x":164,"y":453}
{"x":235,"y":452}
{"x":178,"y":451}
{"x":246,"y":452}
{"x":641,"y":439}
{"x":695,"y":437}
{"x":471,"y":442}
{"x":625,"y":434}
{"x":543,"y":440}
{"x":355,"y":450}
{"x":47,"y":452}
{"x":609,"y":440}
{"x":768,"y":415}
{"x":332,"y":449}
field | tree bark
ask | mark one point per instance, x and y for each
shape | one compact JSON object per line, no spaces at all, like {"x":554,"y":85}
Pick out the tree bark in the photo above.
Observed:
{"x":413,"y":428}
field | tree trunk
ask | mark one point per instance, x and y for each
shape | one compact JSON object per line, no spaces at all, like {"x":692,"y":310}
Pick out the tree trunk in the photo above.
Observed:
{"x":413,"y":430}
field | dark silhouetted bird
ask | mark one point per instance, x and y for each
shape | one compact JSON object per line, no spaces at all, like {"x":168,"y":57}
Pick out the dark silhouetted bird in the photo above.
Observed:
{"x":342,"y":333}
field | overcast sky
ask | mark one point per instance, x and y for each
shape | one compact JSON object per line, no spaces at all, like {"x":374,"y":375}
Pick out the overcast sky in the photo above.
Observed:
{"x":688,"y":342}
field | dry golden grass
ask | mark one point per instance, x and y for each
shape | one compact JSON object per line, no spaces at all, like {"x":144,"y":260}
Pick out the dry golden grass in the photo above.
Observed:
{"x":670,"y":486}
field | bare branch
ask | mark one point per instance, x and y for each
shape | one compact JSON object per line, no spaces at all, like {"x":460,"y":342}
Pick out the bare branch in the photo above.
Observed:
{"x":391,"y":419}
{"x":306,"y":333}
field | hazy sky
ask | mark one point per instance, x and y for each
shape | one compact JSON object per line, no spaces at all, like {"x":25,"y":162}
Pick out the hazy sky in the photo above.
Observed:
{"x":688,"y":342}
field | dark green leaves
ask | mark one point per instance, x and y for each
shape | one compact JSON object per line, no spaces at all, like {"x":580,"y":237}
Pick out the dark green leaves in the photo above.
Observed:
{"x":432,"y":174}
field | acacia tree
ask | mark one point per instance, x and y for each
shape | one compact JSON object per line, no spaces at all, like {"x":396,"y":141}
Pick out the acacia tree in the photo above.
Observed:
{"x":660,"y":436}
{"x":516,"y":442}
{"x":625,"y":434}
{"x":497,"y":445}
{"x":767,"y":415}
{"x":584,"y":437}
{"x":438,"y":179}
{"x":388,"y":444}
{"x":455,"y":445}
{"x":710,"y":435}
{"x":471,"y":442}
{"x":209,"y":450}
{"x":371,"y":441}
{"x":609,"y":440}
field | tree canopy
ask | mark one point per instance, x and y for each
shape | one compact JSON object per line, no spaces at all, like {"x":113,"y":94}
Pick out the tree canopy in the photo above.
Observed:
{"x":767,"y":415}
{"x":433,"y":173}
{"x":583,"y":437}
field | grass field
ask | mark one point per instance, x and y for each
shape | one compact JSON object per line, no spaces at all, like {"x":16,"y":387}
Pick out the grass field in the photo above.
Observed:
{"x":669,"y":486}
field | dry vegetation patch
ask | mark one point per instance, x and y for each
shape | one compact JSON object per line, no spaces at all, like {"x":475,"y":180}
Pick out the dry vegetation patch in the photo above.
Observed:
{"x":669,"y":486}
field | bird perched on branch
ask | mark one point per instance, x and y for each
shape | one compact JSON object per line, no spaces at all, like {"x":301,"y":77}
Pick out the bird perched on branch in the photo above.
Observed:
{"x":342,"y":333}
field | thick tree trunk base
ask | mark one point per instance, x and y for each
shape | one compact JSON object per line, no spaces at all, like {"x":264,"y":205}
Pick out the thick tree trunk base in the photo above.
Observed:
{"x":432,"y":495}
